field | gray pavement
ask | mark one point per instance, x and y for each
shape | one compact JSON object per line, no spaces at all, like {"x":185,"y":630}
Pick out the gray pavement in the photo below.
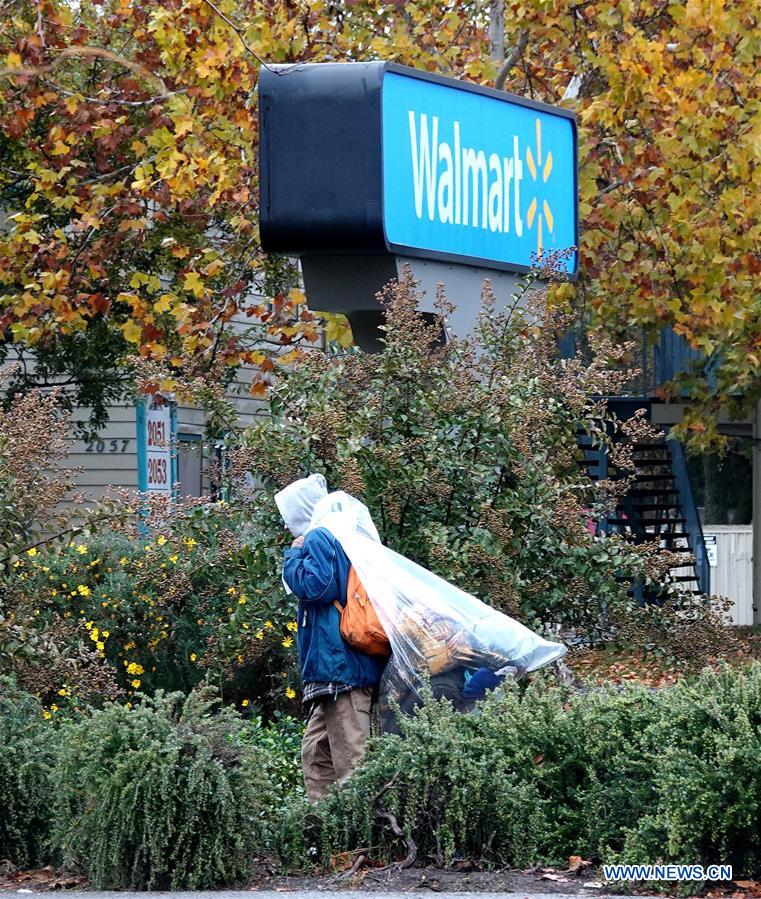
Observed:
{"x":312,"y":894}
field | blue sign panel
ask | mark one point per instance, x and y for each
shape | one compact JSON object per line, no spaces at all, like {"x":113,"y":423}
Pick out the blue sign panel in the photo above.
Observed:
{"x":469,"y":174}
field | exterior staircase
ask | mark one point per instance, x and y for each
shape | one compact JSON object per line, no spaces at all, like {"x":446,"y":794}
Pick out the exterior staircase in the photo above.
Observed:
{"x":659,"y":506}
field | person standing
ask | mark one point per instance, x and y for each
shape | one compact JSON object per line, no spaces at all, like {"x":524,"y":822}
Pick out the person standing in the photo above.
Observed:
{"x":338,"y":681}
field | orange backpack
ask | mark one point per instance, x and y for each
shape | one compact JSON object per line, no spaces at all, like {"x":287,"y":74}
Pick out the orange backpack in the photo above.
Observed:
{"x":360,"y":626}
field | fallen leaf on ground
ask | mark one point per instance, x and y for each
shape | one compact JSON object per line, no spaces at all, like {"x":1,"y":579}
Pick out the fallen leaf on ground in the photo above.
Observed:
{"x":576,"y":863}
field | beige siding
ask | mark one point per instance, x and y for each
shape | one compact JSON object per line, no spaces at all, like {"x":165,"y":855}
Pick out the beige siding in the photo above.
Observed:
{"x":733,"y":575}
{"x":109,"y":460}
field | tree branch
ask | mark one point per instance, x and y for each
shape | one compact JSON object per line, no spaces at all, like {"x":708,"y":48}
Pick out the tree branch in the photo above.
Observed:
{"x":513,"y":57}
{"x":238,"y":31}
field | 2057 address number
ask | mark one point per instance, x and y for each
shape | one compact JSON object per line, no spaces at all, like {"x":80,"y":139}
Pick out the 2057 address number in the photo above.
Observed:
{"x":108,"y":446}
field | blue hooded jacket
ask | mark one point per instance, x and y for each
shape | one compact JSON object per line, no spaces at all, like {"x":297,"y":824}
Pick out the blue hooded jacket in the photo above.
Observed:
{"x":318,"y":572}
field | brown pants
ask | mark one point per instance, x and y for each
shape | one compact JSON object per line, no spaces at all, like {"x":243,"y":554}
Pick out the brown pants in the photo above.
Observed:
{"x":334,"y":740}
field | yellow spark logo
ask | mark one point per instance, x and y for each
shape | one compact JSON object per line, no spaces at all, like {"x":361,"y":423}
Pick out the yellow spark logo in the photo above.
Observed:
{"x":545,"y":214}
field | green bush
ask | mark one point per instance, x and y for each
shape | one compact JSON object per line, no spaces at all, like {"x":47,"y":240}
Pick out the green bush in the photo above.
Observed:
{"x":279,"y":740}
{"x":160,"y":796}
{"x":626,"y":774}
{"x":25,"y":777}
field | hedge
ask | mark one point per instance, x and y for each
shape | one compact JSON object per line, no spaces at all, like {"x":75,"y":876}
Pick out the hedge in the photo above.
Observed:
{"x":180,"y":792}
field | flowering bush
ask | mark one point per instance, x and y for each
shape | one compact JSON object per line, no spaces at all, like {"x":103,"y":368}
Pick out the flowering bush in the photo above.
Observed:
{"x":118,"y":612}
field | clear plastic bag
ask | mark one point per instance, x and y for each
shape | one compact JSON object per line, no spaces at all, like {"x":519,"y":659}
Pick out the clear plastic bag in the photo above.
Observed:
{"x":435,"y":629}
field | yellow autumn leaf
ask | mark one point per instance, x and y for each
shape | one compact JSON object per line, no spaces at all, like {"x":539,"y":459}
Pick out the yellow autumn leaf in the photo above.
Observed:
{"x":193,"y":284}
{"x":132,"y":331}
{"x":164,"y":303}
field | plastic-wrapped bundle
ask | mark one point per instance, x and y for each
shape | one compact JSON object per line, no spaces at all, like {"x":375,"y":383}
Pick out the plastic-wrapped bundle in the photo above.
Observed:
{"x":435,"y":629}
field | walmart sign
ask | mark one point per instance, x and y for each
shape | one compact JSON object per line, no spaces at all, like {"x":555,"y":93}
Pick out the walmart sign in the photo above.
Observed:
{"x":381,"y":161}
{"x":471,"y":174}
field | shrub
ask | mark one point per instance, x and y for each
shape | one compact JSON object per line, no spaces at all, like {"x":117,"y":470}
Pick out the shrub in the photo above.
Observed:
{"x":467,"y":459}
{"x":628,"y":774}
{"x":160,"y":796}
{"x":115,"y":612}
{"x":25,"y":777}
{"x":280,"y":743}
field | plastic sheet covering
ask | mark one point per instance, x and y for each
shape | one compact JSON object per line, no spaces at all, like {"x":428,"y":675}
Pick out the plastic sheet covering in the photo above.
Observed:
{"x":435,"y":629}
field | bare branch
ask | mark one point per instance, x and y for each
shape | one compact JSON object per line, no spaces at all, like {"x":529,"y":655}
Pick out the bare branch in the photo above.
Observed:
{"x":94,"y":52}
{"x":514,"y":56}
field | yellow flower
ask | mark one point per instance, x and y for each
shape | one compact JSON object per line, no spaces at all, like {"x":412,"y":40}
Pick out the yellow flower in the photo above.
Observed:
{"x":135,"y":683}
{"x":100,"y":645}
{"x":244,"y":703}
{"x":288,"y":642}
{"x":54,"y":593}
{"x":105,"y":634}
{"x":53,"y":708}
{"x":161,"y":540}
{"x":292,"y":626}
{"x":88,"y":624}
{"x":46,"y":714}
{"x":16,"y":565}
{"x":229,"y":610}
{"x":231,"y":590}
{"x":190,"y":542}
{"x":260,"y":635}
{"x":193,"y":657}
{"x":242,"y":601}
{"x":173,"y":559}
{"x":31,"y":552}
{"x":244,"y":626}
{"x":268,"y":625}
{"x":63,"y":692}
{"x":81,"y":549}
{"x":123,"y":560}
{"x":134,"y":668}
{"x":83,"y":590}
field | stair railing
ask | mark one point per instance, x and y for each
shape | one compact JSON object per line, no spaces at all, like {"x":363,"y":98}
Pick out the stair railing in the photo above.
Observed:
{"x":692,"y":526}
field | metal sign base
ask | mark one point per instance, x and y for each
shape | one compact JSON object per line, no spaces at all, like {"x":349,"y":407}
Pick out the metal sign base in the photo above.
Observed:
{"x":350,"y":284}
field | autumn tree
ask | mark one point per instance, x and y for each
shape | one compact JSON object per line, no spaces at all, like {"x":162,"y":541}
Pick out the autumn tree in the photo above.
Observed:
{"x":667,"y":93}
{"x":128,"y":177}
{"x":128,"y":171}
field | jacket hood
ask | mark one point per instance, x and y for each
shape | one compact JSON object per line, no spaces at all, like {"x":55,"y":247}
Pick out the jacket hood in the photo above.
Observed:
{"x":297,"y":501}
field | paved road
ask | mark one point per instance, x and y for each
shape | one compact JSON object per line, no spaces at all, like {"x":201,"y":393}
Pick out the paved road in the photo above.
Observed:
{"x":312,"y":894}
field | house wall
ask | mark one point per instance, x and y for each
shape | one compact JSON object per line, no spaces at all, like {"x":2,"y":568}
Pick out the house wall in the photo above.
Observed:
{"x":733,"y":575}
